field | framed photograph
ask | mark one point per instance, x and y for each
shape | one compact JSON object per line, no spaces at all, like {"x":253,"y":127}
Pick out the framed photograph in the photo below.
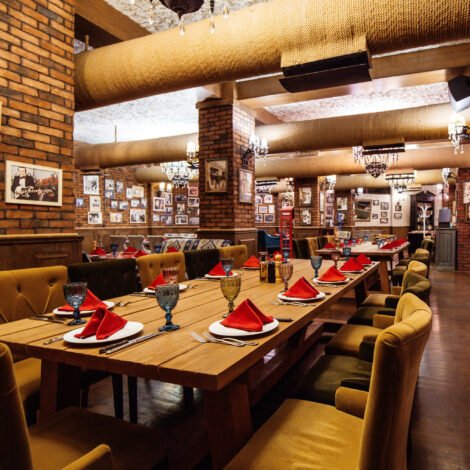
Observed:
{"x":375,"y":202}
{"x":384,"y":214}
{"x":91,"y":184}
{"x":341,"y":218}
{"x":119,"y":187}
{"x":193,"y":211}
{"x":398,"y":207}
{"x":95,"y":218}
{"x":329,"y":198}
{"x":114,"y":204}
{"x":193,"y":202}
{"x":143,"y":203}
{"x":129,"y":193}
{"x":95,"y":203}
{"x":159,"y":204}
{"x":168,"y":210}
{"x":305,"y":196}
{"x":246,"y":187}
{"x":180,"y":197}
{"x":322,"y":202}
{"x":33,"y":184}
{"x":180,"y":208}
{"x":181,"y":219}
{"x":384,"y":206}
{"x":384,"y":220}
{"x":467,"y":213}
{"x":271,"y":209}
{"x":135,"y":203}
{"x":138,"y":191}
{"x":156,"y":218}
{"x":193,"y":191}
{"x":375,"y":216}
{"x":216,"y":175}
{"x":258,"y":219}
{"x":258,"y":199}
{"x":322,"y":219}
{"x":108,"y":184}
{"x":168,"y":199}
{"x":362,"y":211}
{"x":466,"y":192}
{"x":123,"y":205}
{"x":342,"y":203}
{"x":268,"y":198}
{"x":138,"y":216}
{"x":194,"y":221}
{"x":79,"y":202}
{"x":115,"y":217}
{"x":108,"y":194}
{"x":306,"y":217}
{"x":269,"y":219}
{"x":263,"y":209}
{"x":167,"y":219}
{"x":329,"y":211}
{"x":398,"y":215}
{"x":285,"y":204}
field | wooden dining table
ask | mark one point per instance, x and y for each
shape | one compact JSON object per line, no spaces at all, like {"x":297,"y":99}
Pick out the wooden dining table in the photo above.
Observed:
{"x":229,"y":377}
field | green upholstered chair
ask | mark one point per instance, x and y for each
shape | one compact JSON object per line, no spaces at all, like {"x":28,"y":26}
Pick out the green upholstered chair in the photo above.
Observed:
{"x":364,"y":430}
{"x":71,"y":439}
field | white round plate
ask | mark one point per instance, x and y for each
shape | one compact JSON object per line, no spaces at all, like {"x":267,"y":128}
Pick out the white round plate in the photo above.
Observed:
{"x":208,"y":276}
{"x":130,"y":329}
{"x":317,"y":280}
{"x":351,"y":272}
{"x":58,"y":312}
{"x":321,"y":295}
{"x":220,"y":330}
{"x":147,"y":290}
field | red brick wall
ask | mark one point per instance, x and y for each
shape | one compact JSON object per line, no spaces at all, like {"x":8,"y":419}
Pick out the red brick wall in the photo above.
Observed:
{"x":314,"y":208}
{"x":224,"y":131}
{"x":463,"y":228}
{"x":37,"y":92}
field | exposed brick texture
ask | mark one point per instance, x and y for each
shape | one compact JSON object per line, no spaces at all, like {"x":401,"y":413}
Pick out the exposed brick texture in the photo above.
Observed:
{"x":463,"y":227}
{"x":37,"y":92}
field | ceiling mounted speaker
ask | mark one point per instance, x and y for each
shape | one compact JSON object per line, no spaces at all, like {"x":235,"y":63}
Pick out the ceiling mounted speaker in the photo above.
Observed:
{"x":459,"y":93}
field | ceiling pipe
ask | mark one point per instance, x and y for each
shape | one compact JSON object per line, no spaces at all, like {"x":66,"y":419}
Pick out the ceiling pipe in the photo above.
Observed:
{"x":275,"y":36}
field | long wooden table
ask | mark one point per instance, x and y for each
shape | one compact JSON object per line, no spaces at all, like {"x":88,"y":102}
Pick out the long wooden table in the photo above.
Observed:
{"x":222,"y":372}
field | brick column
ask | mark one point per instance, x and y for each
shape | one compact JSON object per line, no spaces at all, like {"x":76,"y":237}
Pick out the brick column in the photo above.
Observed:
{"x":224,"y":131}
{"x":463,"y":227}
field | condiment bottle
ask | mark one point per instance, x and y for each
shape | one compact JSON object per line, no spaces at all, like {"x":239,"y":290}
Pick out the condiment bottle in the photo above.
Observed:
{"x":277,"y":262}
{"x":271,"y":272}
{"x":263,"y":267}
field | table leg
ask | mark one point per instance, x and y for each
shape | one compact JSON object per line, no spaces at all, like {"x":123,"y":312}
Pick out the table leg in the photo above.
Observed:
{"x":383,"y":273}
{"x":228,"y":421}
{"x":60,"y":387}
{"x":360,"y":293}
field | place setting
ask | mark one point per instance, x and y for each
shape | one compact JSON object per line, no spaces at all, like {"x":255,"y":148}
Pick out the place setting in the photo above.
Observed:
{"x":167,"y":276}
{"x":221,"y":270}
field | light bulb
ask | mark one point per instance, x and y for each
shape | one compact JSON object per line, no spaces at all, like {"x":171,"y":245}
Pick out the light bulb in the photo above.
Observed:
{"x":226,"y":11}
{"x":212,"y":25}
{"x":182,"y":27}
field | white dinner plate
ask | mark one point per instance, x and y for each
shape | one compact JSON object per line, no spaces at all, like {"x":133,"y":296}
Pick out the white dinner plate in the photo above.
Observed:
{"x":321,"y":295}
{"x":147,"y":290}
{"x":220,"y":330}
{"x":317,"y":281}
{"x":58,"y":312}
{"x":208,"y":276}
{"x":131,"y":328}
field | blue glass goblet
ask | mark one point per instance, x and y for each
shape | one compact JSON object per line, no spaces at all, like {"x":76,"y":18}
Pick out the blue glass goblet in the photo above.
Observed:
{"x":227,"y":265}
{"x":167,"y":298}
{"x":316,"y":263}
{"x":285,"y":254}
{"x":75,"y":294}
{"x":114,"y":248}
{"x":353,"y":241}
{"x":347,"y":252}
{"x":366,"y":238}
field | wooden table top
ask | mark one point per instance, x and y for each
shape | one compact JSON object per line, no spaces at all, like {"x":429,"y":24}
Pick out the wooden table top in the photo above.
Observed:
{"x":369,"y":249}
{"x":176,"y":357}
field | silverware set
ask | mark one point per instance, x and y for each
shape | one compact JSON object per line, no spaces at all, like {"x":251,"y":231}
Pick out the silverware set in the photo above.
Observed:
{"x":112,"y":348}
{"x":48,"y":319}
{"x":208,"y":338}
{"x":295,"y":304}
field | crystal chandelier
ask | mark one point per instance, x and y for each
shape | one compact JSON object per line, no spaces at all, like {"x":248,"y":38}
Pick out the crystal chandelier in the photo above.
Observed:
{"x":179,"y":173}
{"x":257,"y":147}
{"x":377,"y":159}
{"x":458,"y":132}
{"x":401,"y":181}
{"x":445,"y":175}
{"x":181,"y":7}
{"x":192,"y":155}
{"x":358,"y":192}
{"x":330,"y":181}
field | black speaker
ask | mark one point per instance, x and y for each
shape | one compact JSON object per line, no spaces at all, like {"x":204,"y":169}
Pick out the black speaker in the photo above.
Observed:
{"x":459,"y":93}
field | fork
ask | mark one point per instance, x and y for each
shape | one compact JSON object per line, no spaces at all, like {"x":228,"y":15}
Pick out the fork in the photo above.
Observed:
{"x":205,"y":340}
{"x":230,"y":340}
{"x":295,"y":304}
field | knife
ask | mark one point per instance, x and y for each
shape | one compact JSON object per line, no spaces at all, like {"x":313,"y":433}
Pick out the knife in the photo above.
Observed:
{"x":124,"y":344}
{"x":48,"y":319}
{"x":282,"y":319}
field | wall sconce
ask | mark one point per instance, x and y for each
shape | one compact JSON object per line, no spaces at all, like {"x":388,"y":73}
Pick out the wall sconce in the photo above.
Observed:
{"x":458,"y":132}
{"x":164,"y":187}
{"x":257,"y":148}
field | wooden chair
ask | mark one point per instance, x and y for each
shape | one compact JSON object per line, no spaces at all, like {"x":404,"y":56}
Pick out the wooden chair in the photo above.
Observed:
{"x":239,"y":253}
{"x":364,"y":430}
{"x":136,"y":241}
{"x":71,"y":439}
{"x":119,"y":240}
{"x":150,"y":266}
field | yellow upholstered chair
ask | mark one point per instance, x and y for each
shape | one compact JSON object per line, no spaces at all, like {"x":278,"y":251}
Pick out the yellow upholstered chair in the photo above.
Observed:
{"x":364,"y":431}
{"x":312,"y":245}
{"x":330,"y":239}
{"x":72,"y":439}
{"x":150,"y":266}
{"x":23,"y":293}
{"x":419,"y":268}
{"x":239,"y":253}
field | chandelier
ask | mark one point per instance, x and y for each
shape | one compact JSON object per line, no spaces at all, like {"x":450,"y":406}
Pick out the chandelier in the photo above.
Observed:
{"x":458,"y":132}
{"x":181,"y":7}
{"x":377,"y":159}
{"x":257,"y":147}
{"x":401,"y":181}
{"x":192,"y":155}
{"x":179,"y":173}
{"x":330,"y":182}
{"x":445,"y":175}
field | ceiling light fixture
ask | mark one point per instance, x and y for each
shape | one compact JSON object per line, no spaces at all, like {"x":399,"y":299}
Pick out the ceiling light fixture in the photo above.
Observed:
{"x":192,"y":155}
{"x":330,"y":182}
{"x":401,"y":181}
{"x":179,"y":173}
{"x":445,"y":175}
{"x":377,"y":159}
{"x":257,"y":147}
{"x":458,"y":132}
{"x":357,"y":192}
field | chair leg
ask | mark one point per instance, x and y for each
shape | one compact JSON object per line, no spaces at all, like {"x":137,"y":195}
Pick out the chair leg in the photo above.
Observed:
{"x":118,"y":396}
{"x":84,"y":397}
{"x":132,"y":390}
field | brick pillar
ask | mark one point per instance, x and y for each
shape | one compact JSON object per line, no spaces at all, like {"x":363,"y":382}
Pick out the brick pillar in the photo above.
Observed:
{"x":463,"y":227}
{"x":224,"y":131}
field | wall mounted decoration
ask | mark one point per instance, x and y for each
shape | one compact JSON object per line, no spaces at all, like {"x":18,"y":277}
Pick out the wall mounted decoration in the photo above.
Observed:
{"x":129,"y":193}
{"x":193,"y":191}
{"x":384,"y":214}
{"x":342,"y":203}
{"x":246,"y":186}
{"x":268,"y":198}
{"x":306,"y":217}
{"x":115,"y":217}
{"x":305,"y":196}
{"x":109,"y":194}
{"x":168,"y":199}
{"x":466,"y":192}
{"x":384,"y":221}
{"x":108,"y":184}
{"x":181,"y":219}
{"x":79,"y":202}
{"x":119,"y":187}
{"x":123,"y":205}
{"x":114,"y":204}
{"x":138,"y":216}
{"x":91,"y":184}
{"x":398,"y":215}
{"x":384,"y":206}
{"x":95,"y":218}
{"x":159,"y":204}
{"x":363,"y":210}
{"x":135,"y":203}
{"x":216,"y":175}
{"x":269,"y":219}
{"x":138,"y":191}
{"x":193,"y":202}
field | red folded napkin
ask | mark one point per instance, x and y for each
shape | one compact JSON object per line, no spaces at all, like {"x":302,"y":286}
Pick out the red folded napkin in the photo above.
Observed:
{"x":247,"y":316}
{"x":332,"y":275}
{"x":218,"y":270}
{"x":103,"y":323}
{"x":389,"y":246}
{"x":329,"y":246}
{"x":99,"y":252}
{"x":352,"y":265}
{"x":130,"y":249}
{"x":172,"y":249}
{"x":363,"y":259}
{"x":158,"y":281}
{"x":139,"y":253}
{"x":252,"y":262}
{"x":302,"y":289}
{"x":91,"y":303}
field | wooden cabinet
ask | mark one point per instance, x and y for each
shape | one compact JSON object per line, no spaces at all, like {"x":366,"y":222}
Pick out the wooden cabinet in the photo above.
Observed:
{"x":446,"y":249}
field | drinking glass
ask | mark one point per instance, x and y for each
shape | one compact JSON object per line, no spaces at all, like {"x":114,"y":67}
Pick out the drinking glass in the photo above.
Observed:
{"x":75,"y":294}
{"x":335,"y":257}
{"x":227,"y":265}
{"x":347,"y":252}
{"x":286,"y":254}
{"x":353,"y":241}
{"x":366,"y":238}
{"x":114,"y":248}
{"x":167,"y":298}
{"x":286,"y":270}
{"x":230,"y":288}
{"x":170,"y":275}
{"x":316,"y":263}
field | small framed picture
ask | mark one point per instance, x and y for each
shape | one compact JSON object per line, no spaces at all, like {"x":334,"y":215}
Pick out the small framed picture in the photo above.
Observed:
{"x":156,"y":218}
{"x":129,"y":193}
{"x":285,"y":204}
{"x":467,"y":213}
{"x":258,"y":199}
{"x":398,"y":207}
{"x":306,"y":217}
{"x":271,"y":209}
{"x":114,"y":204}
{"x":138,"y":191}
{"x":305,"y":196}
{"x":159,"y":204}
{"x":135,"y":203}
{"x":384,"y":206}
{"x":398,"y":215}
{"x":193,"y":191}
{"x":168,"y":199}
{"x":95,"y":203}
{"x":329,"y":198}
{"x":181,"y":197}
{"x":258,"y":219}
{"x":181,"y":220}
{"x":166,"y":219}
{"x":109,"y":194}
{"x":268,"y":198}
{"x":194,"y":221}
{"x":246,"y":187}
{"x":384,"y":220}
{"x":115,"y":217}
{"x":180,"y":208}
{"x":95,"y":218}
{"x":322,"y":202}
{"x":342,"y":203}
{"x":79,"y":202}
{"x":375,"y":216}
{"x":91,"y":184}
{"x":263,"y":209}
{"x":123,"y":205}
{"x":466,"y":192}
{"x":269,"y":218}
{"x":375,"y":202}
{"x":193,"y":202}
{"x":384,"y":214}
{"x":108,"y":184}
{"x":329,"y":210}
{"x":119,"y":187}
{"x":143,"y":203}
{"x":168,"y":210}
{"x":138,"y":216}
{"x":216,"y":175}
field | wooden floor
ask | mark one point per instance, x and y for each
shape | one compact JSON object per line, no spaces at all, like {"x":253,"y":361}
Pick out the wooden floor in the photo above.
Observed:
{"x":441,"y":419}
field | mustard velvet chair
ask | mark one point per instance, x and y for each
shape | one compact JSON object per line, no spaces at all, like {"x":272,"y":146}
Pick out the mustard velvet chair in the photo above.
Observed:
{"x":365,"y":431}
{"x":239,"y":253}
{"x":151,"y":266}
{"x":23,"y":293}
{"x":72,"y":439}
{"x":421,"y":254}
{"x":312,"y":245}
{"x":418,"y":267}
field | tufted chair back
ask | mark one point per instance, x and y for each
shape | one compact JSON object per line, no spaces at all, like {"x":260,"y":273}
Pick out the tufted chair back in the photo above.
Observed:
{"x":407,"y":305}
{"x":397,"y":356}
{"x":301,"y":248}
{"x":151,"y":266}
{"x":199,"y":263}
{"x":33,"y":291}
{"x":107,"y":279}
{"x":418,"y":267}
{"x":312,"y":245}
{"x":239,"y":253}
